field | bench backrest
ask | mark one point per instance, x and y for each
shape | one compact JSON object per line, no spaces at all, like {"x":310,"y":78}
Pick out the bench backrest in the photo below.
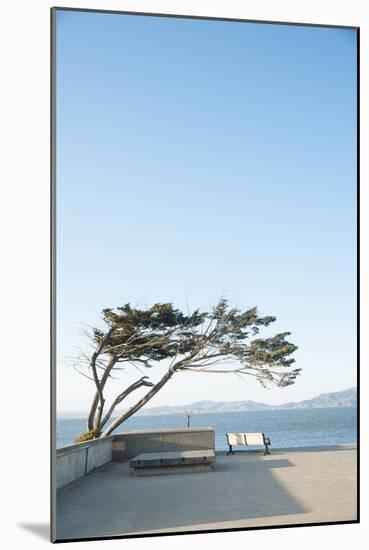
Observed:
{"x":236,"y":439}
{"x":245,"y":438}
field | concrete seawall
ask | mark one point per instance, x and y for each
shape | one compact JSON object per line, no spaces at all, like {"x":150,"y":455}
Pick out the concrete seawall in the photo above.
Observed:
{"x":128,"y":444}
{"x":75,"y":461}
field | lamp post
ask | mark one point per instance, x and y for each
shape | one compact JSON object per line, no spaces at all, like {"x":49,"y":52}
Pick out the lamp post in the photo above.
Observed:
{"x":188,"y":414}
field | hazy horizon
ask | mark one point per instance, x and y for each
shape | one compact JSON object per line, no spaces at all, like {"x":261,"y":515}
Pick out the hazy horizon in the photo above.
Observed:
{"x":61,"y":412}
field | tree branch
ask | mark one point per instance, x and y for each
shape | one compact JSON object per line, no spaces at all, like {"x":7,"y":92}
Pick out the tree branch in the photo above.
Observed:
{"x":132,"y":410}
{"x":138,"y":384}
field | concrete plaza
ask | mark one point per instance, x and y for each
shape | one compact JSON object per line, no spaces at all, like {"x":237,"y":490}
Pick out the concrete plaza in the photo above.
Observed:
{"x":291,"y":486}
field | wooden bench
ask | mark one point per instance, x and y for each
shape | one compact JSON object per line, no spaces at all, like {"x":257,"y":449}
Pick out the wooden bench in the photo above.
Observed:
{"x":172,"y":462}
{"x":247,"y":439}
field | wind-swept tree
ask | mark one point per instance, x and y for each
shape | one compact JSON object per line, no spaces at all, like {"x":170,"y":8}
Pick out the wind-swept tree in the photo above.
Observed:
{"x":222,"y":340}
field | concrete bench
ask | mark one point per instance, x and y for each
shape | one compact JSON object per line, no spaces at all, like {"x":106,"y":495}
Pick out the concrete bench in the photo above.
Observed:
{"x":247,"y":439}
{"x":172,"y":462}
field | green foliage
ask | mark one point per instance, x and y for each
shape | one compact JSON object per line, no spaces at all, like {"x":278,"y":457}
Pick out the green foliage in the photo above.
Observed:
{"x":87,"y":436}
{"x":197,"y":340}
{"x":145,"y":334}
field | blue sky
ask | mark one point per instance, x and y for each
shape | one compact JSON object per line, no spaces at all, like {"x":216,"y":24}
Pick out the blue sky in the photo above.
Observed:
{"x":199,"y":159}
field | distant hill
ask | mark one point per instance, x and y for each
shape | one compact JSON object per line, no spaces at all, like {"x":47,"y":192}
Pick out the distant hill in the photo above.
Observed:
{"x":345,"y":398}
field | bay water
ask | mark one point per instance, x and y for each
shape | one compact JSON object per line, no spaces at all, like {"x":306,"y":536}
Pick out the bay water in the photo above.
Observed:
{"x":285,"y":427}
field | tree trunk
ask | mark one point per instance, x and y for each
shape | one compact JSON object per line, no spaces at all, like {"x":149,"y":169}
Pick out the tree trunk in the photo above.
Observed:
{"x":95,"y":401}
{"x":167,"y":376}
{"x":91,"y":415}
{"x":100,"y":410}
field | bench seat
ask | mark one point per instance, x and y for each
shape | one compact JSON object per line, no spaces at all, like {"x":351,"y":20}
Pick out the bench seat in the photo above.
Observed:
{"x":172,"y":462}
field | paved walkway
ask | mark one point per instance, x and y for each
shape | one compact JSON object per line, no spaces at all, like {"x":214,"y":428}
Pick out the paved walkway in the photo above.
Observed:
{"x":292,"y":486}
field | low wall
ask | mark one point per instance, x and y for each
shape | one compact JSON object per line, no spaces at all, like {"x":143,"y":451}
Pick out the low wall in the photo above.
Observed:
{"x":128,"y":444}
{"x":75,"y":461}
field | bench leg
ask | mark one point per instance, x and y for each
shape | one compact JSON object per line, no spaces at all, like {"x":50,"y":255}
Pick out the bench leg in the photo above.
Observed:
{"x":267,"y":449}
{"x":230,"y":452}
